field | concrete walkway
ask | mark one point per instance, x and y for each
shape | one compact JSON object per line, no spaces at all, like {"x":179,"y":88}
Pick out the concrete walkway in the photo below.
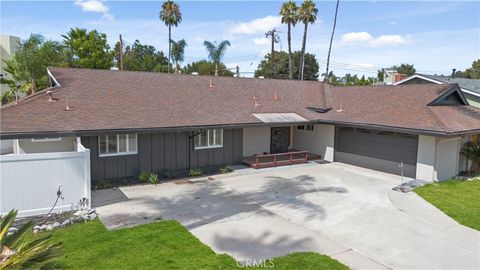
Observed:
{"x":341,"y":211}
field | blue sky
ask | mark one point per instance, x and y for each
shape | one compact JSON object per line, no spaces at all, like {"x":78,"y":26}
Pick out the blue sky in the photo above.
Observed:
{"x":435,"y":36}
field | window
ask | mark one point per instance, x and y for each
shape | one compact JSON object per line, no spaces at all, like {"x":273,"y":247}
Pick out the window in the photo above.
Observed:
{"x":306,"y":127}
{"x":47,"y":139}
{"x":209,"y":138}
{"x":116,"y":145}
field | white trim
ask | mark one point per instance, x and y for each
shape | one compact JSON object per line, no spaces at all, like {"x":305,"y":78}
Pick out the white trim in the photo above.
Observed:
{"x":418,"y":76}
{"x":470,"y":92}
{"x":53,"y":78}
{"x":208,"y":146}
{"x":57,"y":139}
{"x":127,"y":152}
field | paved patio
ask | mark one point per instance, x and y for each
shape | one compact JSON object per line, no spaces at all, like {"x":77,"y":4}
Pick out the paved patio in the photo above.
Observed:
{"x":342,"y":211}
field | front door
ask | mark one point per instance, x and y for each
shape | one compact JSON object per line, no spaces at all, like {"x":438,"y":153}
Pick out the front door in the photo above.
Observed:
{"x":280,"y":139}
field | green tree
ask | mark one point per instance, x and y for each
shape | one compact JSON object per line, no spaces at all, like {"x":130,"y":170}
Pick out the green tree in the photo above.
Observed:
{"x":17,"y":252}
{"x":349,"y":80}
{"x":178,"y":52}
{"x":472,"y":151}
{"x":216,"y":52}
{"x":470,"y":73}
{"x":142,"y":57}
{"x":288,"y":12}
{"x":171,"y":16}
{"x":26,"y":70}
{"x":307,"y":14}
{"x":88,"y":49}
{"x":281,"y":63}
{"x":205,"y":67}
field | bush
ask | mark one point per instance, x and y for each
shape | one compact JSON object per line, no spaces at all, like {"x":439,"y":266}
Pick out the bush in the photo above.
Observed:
{"x":194,"y":172}
{"x":143,"y":176}
{"x":170,"y":174}
{"x":153,"y":179}
{"x":225,"y":169}
{"x":472,"y":151}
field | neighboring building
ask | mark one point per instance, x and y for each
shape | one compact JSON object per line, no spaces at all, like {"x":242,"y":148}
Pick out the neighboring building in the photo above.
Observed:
{"x":469,"y":87}
{"x":133,"y":121}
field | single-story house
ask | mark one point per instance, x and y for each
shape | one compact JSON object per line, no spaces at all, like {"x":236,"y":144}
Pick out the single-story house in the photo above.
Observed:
{"x":133,"y":121}
{"x":469,"y":87}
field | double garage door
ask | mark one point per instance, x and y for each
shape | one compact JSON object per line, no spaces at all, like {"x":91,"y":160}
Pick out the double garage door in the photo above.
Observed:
{"x":377,"y":150}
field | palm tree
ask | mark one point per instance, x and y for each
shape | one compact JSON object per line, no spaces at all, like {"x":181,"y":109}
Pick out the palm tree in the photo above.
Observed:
{"x":69,"y":39}
{"x":289,"y":16}
{"x":178,"y":52}
{"x":170,"y":15}
{"x":16,"y":251}
{"x":216,"y":52}
{"x":331,"y":39}
{"x":307,"y":13}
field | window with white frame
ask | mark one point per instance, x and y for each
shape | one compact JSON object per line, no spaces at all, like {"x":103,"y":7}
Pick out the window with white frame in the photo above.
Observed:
{"x":209,"y":138}
{"x":116,"y":145}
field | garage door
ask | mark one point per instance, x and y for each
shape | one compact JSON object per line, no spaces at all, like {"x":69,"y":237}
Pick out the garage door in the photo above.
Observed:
{"x":377,"y":150}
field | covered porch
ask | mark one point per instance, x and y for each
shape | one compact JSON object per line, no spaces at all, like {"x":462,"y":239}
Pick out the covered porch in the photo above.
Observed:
{"x":280,"y":145}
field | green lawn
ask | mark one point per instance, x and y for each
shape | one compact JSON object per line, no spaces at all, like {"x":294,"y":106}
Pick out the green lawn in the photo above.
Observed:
{"x":159,"y":245}
{"x":458,"y":199}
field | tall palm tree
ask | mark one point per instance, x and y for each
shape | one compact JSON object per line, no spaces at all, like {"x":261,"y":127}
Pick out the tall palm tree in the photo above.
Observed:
{"x":307,"y":13}
{"x":69,"y":40}
{"x":331,"y":41}
{"x":289,"y":16}
{"x":216,"y":52}
{"x":170,"y":15}
{"x":178,"y":52}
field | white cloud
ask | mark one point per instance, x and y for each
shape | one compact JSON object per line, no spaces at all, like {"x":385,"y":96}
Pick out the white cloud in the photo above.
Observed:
{"x":259,"y":25}
{"x":393,"y":23}
{"x":94,"y":6}
{"x":261,"y":41}
{"x":390,"y":40}
{"x":356,"y":37}
{"x":365,"y":37}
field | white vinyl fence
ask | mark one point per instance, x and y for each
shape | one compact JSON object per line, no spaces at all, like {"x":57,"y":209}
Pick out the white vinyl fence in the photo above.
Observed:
{"x":29,"y":182}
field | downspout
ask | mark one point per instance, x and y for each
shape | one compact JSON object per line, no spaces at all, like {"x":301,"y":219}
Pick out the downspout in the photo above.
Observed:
{"x":190,"y":148}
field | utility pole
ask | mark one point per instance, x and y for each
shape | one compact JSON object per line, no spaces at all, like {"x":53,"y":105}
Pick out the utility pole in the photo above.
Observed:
{"x":121,"y":51}
{"x":275,"y":39}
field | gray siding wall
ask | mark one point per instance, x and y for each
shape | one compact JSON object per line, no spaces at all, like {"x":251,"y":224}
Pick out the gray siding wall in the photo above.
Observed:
{"x":159,"y":151}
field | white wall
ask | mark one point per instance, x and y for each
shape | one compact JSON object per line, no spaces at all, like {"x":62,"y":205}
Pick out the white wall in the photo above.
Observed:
{"x":27,"y":146}
{"x":256,"y":140}
{"x":319,"y":141}
{"x":29,"y":182}
{"x":448,"y":151}
{"x":437,"y":158}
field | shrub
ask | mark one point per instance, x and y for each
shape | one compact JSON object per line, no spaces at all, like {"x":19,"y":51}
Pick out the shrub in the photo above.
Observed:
{"x":153,"y":179}
{"x":225,"y":169}
{"x":170,"y":174}
{"x":19,"y":251}
{"x":143,"y":176}
{"x":472,"y":151}
{"x":194,"y":172}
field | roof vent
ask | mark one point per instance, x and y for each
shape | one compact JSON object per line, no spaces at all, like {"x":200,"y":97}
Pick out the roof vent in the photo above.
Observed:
{"x":255,"y":99}
{"x":67,"y":106}
{"x":194,"y":73}
{"x":261,"y":77}
{"x":453,"y":73}
{"x":275,"y":96}
{"x":211,"y":83}
{"x":341,"y":109}
{"x":114,"y":68}
{"x":17,"y":99}
{"x":50,"y":96}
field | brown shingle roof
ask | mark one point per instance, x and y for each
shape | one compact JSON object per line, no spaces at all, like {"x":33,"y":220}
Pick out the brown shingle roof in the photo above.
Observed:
{"x":116,"y":100}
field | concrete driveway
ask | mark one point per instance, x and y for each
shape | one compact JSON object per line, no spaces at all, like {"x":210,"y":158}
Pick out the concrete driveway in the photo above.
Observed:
{"x":342,"y":211}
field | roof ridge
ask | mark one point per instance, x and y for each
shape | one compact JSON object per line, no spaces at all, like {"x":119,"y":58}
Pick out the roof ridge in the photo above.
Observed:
{"x":436,"y":119}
